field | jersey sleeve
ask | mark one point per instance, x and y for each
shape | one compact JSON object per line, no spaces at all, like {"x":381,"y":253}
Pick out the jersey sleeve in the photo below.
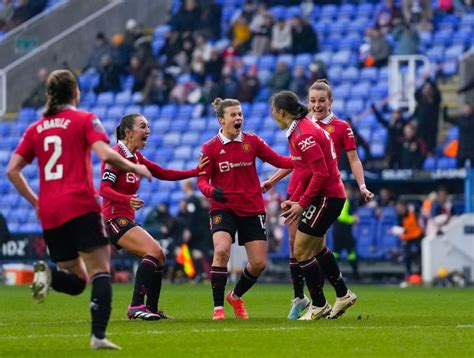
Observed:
{"x":308,"y":147}
{"x":107,"y":185}
{"x":25,"y":147}
{"x":267,"y":154}
{"x":348,"y":139}
{"x":167,"y":174}
{"x":94,"y":130}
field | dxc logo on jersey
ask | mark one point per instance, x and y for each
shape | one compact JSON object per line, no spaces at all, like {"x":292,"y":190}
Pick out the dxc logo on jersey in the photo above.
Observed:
{"x":224,"y":167}
{"x":306,"y":143}
{"x":131,"y":178}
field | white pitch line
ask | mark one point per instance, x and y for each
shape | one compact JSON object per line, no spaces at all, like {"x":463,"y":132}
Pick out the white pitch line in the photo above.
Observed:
{"x":213,"y":330}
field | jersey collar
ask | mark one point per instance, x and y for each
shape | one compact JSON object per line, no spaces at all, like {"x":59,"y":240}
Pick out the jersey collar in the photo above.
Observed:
{"x":226,"y":140}
{"x":326,"y":120}
{"x":124,"y":149}
{"x":292,"y":128}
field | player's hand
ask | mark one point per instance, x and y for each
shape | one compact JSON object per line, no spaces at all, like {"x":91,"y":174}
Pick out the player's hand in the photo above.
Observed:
{"x":291,"y":211}
{"x":266,"y":186}
{"x":135,"y":203}
{"x":203,"y":161}
{"x":218,"y":195}
{"x":143,"y":171}
{"x":366,"y":194}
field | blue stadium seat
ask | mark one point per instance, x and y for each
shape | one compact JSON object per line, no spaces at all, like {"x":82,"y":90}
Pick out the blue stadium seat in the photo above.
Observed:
{"x":197,"y":124}
{"x":172,"y":139}
{"x":164,"y":155}
{"x":442,"y":38}
{"x":250,"y":60}
{"x":176,"y":164}
{"x":435,"y":54}
{"x":350,"y":74}
{"x":450,"y":68}
{"x":461,"y":38}
{"x":361,"y":90}
{"x":369,"y":74}
{"x":115,"y":112}
{"x":264,"y":76}
{"x":268,"y":123}
{"x":88,"y":99}
{"x":99,"y":111}
{"x":190,"y":138}
{"x":169,"y":111}
{"x":452,"y":133}
{"x":183,"y":152}
{"x":430,"y":163}
{"x":446,"y":163}
{"x":179,"y":125}
{"x":335,"y":74}
{"x":124,"y":97}
{"x":377,"y":148}
{"x":267,"y":62}
{"x":133,"y":108}
{"x":161,"y":31}
{"x":324,"y":56}
{"x":453,"y":52}
{"x":364,"y":233}
{"x":151,"y":111}
{"x":354,"y":106}
{"x":328,"y":11}
{"x":289,"y":59}
{"x":160,"y":197}
{"x":105,"y":98}
{"x":27,"y":115}
{"x":342,"y":91}
{"x":365,"y":132}
{"x":379,"y":134}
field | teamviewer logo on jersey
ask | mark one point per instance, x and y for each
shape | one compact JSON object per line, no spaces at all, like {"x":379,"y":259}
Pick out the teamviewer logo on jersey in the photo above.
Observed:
{"x":224,"y":167}
{"x":307,"y":143}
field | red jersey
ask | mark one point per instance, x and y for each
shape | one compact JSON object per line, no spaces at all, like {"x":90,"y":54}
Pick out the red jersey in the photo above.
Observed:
{"x":117,"y":187}
{"x":341,"y":135}
{"x":62,"y":143}
{"x":232,"y":168}
{"x":311,"y":147}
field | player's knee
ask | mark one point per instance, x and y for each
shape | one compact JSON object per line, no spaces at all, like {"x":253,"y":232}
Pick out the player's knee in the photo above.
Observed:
{"x":221,"y":255}
{"x":158,"y":256}
{"x":77,"y":286}
{"x":301,"y":254}
{"x":259,"y":266}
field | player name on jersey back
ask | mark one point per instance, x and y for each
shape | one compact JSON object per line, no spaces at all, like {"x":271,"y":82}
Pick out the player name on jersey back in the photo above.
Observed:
{"x":53,"y":123}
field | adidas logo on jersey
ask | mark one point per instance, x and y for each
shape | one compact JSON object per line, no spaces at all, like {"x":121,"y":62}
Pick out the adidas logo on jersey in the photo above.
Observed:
{"x":222,"y":151}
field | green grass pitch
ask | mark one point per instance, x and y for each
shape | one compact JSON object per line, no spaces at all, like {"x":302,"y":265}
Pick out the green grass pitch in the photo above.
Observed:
{"x":385,"y":322}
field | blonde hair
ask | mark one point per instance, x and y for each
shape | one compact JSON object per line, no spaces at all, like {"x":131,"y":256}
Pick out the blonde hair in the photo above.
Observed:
{"x":322,"y":85}
{"x":220,"y":105}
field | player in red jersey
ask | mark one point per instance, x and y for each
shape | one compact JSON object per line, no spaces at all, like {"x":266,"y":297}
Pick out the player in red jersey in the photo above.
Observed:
{"x":316,"y":202}
{"x":236,"y":203}
{"x":118,"y":188}
{"x":319,"y":102}
{"x":68,"y":205}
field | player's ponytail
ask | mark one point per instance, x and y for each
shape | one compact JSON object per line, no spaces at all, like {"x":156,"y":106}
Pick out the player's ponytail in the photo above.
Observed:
{"x":220,"y":105}
{"x":60,"y":87}
{"x":126,"y":122}
{"x":322,"y":85}
{"x":289,"y":102}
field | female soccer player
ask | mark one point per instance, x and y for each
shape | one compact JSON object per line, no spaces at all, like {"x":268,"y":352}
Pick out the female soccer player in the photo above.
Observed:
{"x":236,"y":203}
{"x":118,"y":188}
{"x":68,"y":205}
{"x":319,"y":102}
{"x":316,"y":202}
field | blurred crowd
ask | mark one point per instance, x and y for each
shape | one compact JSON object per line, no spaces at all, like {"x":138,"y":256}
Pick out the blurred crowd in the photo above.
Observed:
{"x":16,"y":12}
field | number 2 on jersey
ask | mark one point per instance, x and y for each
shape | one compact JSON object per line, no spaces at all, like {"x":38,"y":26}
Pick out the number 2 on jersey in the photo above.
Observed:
{"x":51,"y":170}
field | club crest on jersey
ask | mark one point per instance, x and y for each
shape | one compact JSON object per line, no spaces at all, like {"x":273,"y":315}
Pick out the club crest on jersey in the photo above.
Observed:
{"x":306,"y":143}
{"x":246,"y":147}
{"x":131,"y":178}
{"x":98,"y":125}
{"x":216,"y":220}
{"x":122,"y":222}
{"x":330,"y":129}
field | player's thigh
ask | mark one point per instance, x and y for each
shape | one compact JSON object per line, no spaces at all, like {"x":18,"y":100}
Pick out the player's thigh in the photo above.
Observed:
{"x":306,"y":245}
{"x":139,"y":242}
{"x":75,"y":266}
{"x":292,"y":228}
{"x":222,"y":242}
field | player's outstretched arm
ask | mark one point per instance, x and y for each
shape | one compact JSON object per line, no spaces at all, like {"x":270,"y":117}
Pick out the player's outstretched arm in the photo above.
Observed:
{"x":16,"y":164}
{"x":274,"y":179}
{"x":110,"y":156}
{"x":358,"y":171}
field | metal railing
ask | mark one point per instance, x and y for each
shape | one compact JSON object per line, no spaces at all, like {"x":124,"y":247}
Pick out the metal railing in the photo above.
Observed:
{"x":3,"y":93}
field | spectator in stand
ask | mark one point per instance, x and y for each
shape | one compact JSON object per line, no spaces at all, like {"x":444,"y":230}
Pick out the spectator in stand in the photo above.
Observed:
{"x":248,"y":86}
{"x":465,"y":123}
{"x":201,"y":54}
{"x":227,"y":86}
{"x":379,"y":48}
{"x":413,"y":148}
{"x":37,"y":97}
{"x":210,"y":23}
{"x":317,"y":70}
{"x":171,"y":48}
{"x":303,"y":37}
{"x":140,"y":72}
{"x":36,"y":6}
{"x":442,"y":209}
{"x":156,"y":90}
{"x":232,"y":185}
{"x":4,"y":231}
{"x":120,"y":53}
{"x":275,"y":222}
{"x":426,"y":115}
{"x":281,"y":37}
{"x":6,"y":14}
{"x":187,"y":18}
{"x":239,"y":34}
{"x":299,"y":83}
{"x":101,"y":48}
{"x":262,"y":36}
{"x":419,"y":12}
{"x":387,"y":16}
{"x":109,"y":76}
{"x":394,"y":135}
{"x":407,"y":40}
{"x":209,"y":90}
{"x":22,"y":13}
{"x":410,"y":232}
{"x":281,"y":79}
{"x":213,"y":67}
{"x":247,"y":11}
